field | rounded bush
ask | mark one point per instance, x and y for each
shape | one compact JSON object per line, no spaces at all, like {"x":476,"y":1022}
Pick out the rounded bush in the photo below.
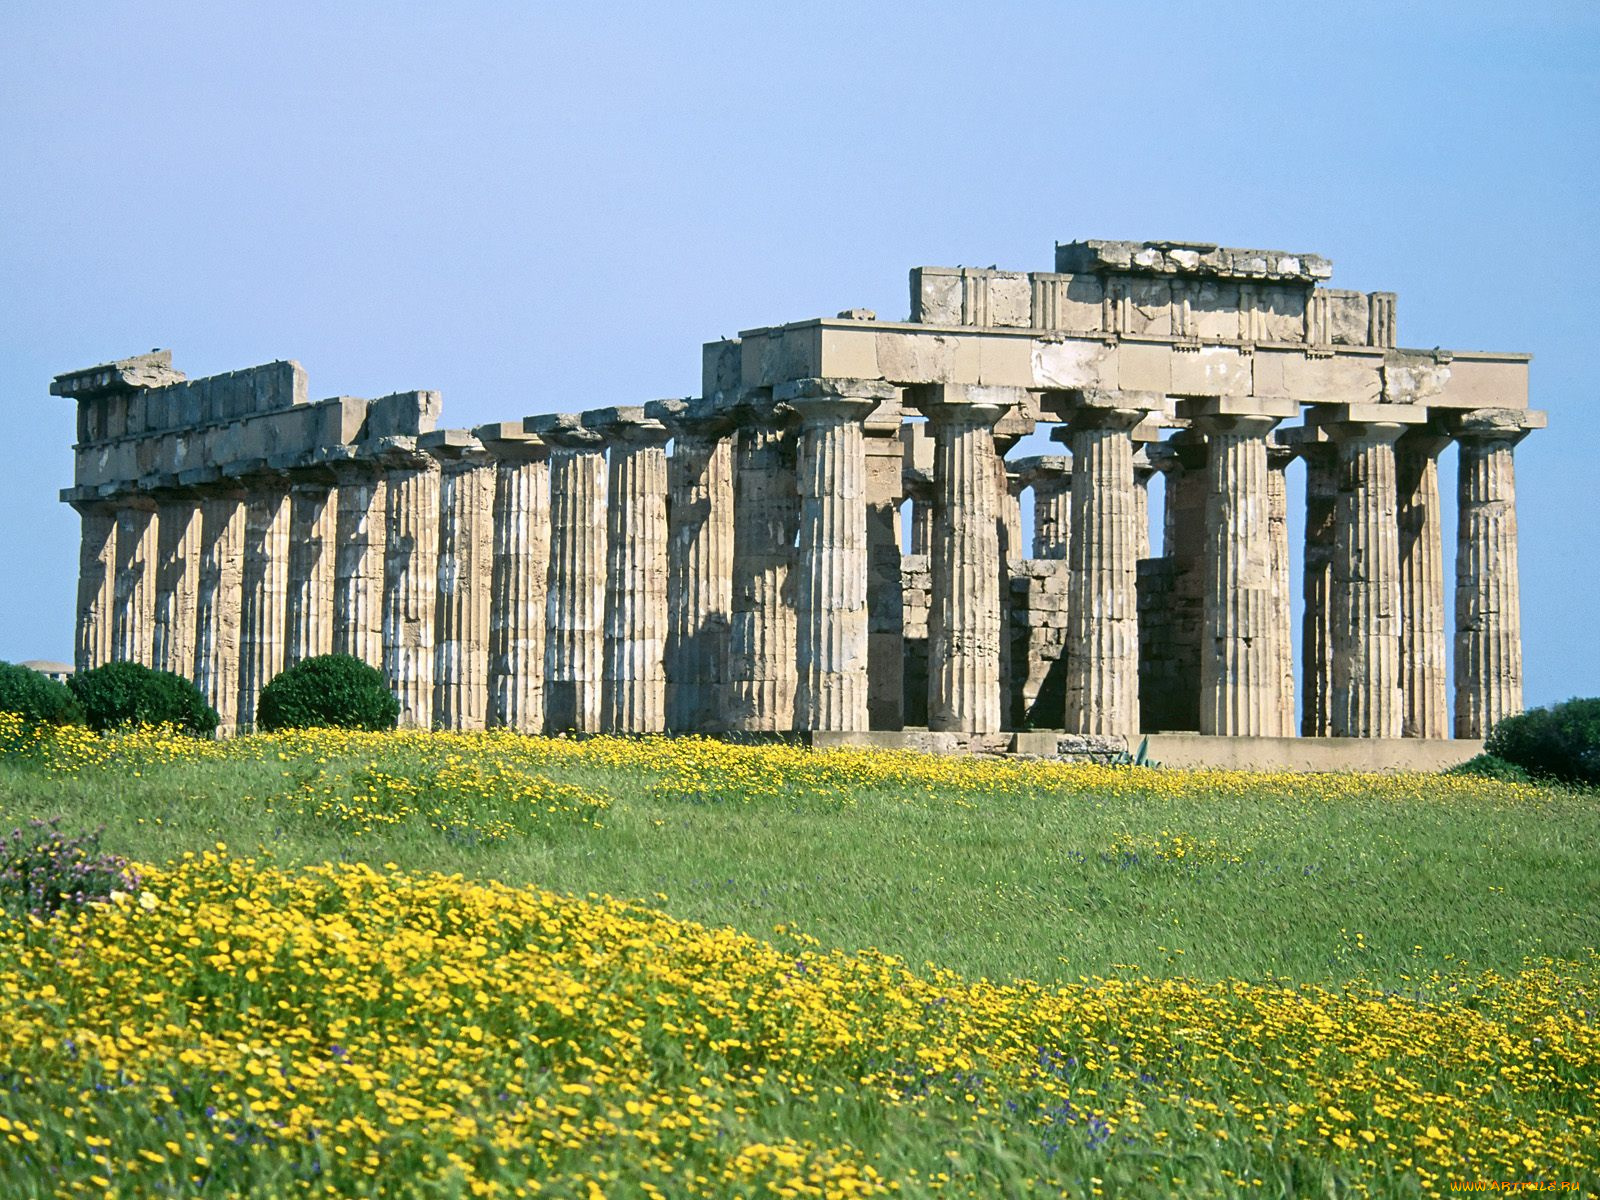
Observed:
{"x":125,"y":693}
{"x":1487,"y":766}
{"x":1560,"y":742}
{"x":331,"y":690}
{"x":36,"y":697}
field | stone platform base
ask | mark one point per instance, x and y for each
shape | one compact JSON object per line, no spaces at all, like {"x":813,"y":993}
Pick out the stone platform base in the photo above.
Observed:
{"x":1176,"y":749}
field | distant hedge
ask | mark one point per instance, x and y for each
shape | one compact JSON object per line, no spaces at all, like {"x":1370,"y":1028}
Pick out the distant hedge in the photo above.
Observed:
{"x":125,"y":693}
{"x":331,"y":690}
{"x":1561,"y":742}
{"x":36,"y":697}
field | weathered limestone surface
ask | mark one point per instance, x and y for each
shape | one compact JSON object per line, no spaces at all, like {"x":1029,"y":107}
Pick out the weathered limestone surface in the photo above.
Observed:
{"x":410,"y":580}
{"x":886,"y":646}
{"x":699,"y":562}
{"x":1102,"y":598}
{"x":831,"y":592}
{"x":1316,"y":629}
{"x":313,"y":533}
{"x":264,"y":592}
{"x":1488,"y":592}
{"x":1279,"y":456}
{"x":520,"y":577}
{"x":216,"y":653}
{"x":1365,"y":592}
{"x":1423,"y":673}
{"x":575,"y":611}
{"x":1050,"y":477}
{"x":964,"y":622}
{"x":1239,"y":667}
{"x":97,"y":575}
{"x":766,"y":515}
{"x":1038,"y":632}
{"x":358,"y":588}
{"x":466,"y":552}
{"x":134,"y":613}
{"x":634,"y":682}
{"x":177,"y":580}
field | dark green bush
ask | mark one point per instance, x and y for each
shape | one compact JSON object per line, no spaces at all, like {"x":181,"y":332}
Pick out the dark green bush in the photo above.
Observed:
{"x":1560,"y":742}
{"x":36,"y":697}
{"x":1487,"y":766}
{"x":126,"y":693}
{"x":330,"y":690}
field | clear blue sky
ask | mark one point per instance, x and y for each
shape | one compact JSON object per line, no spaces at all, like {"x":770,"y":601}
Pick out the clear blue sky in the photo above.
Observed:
{"x":548,"y":207}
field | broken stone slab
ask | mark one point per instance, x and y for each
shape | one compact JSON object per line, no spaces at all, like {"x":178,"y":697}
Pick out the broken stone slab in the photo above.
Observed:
{"x":124,"y":375}
{"x":1203,"y":259}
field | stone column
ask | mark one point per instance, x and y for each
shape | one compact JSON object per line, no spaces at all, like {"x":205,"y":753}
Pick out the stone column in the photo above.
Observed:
{"x":1010,"y":495}
{"x":920,"y":490}
{"x":519,"y":577}
{"x":313,"y":536}
{"x":466,"y":550}
{"x":1239,"y":668}
{"x":358,"y":588}
{"x":263,"y":592}
{"x":1423,"y":673}
{"x":97,"y":574}
{"x":1316,"y":622}
{"x":177,"y":580}
{"x":575,"y":610}
{"x":964,"y":627}
{"x":633,"y":693}
{"x":886,"y":610}
{"x":217,"y":601}
{"x":831,"y":592}
{"x":1102,"y":599}
{"x":410,"y":578}
{"x":766,"y":519}
{"x":1050,"y":476}
{"x":1279,"y":456}
{"x":699,"y":562}
{"x":133,"y":617}
{"x":1488,"y":594}
{"x":1143,"y":471}
{"x":1365,"y":593}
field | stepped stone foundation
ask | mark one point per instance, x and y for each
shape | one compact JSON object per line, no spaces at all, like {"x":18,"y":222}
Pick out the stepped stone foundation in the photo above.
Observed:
{"x":733,"y":563}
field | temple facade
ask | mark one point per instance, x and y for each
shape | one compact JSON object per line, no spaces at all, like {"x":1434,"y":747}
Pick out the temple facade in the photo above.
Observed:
{"x":740,"y":562}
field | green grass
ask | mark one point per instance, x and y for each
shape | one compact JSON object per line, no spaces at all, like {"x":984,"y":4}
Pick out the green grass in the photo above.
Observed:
{"x":1344,"y":879}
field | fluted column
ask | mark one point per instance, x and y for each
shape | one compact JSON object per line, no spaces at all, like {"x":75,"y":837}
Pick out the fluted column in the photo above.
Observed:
{"x":410,"y":580}
{"x":1365,"y":594}
{"x":217,"y":604}
{"x":466,"y":552}
{"x":1010,"y":496}
{"x":1050,"y":477}
{"x":886,"y":609}
{"x":633,"y":680}
{"x":263,"y":592}
{"x":964,"y":621}
{"x":1279,"y":456}
{"x":1488,"y":592}
{"x":97,"y":576}
{"x":313,"y":536}
{"x":1239,"y":667}
{"x":1317,"y":616}
{"x":362,"y":503}
{"x":177,"y":580}
{"x":1423,"y":672}
{"x":575,"y":608}
{"x":699,"y":562}
{"x":766,"y":518}
{"x":920,"y":490}
{"x":520,"y":577}
{"x":133,"y":617}
{"x":1102,"y":602}
{"x":1143,"y":471}
{"x":831,"y":591}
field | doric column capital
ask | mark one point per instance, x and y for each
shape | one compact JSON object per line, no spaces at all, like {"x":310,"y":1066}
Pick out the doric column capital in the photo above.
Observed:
{"x":692,"y":416}
{"x":963,"y":403}
{"x":1280,"y":453}
{"x":1427,"y":440}
{"x":510,"y":441}
{"x":1508,"y":425}
{"x":1046,"y":474}
{"x":1015,"y":483}
{"x":835,"y":399}
{"x":1237,"y":424}
{"x":627,"y":427}
{"x":456,"y":449}
{"x":1102,"y":408}
{"x":565,"y":431}
{"x":1366,"y":422}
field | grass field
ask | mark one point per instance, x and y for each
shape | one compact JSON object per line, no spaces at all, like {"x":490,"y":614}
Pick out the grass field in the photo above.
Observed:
{"x":452,"y":964}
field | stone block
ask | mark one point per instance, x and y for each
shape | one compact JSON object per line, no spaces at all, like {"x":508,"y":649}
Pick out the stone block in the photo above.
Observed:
{"x":403,"y":414}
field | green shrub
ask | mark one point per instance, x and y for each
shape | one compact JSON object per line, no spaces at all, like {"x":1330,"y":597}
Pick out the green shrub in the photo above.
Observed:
{"x":1560,"y":742}
{"x":330,"y":690}
{"x":36,"y":697}
{"x":1487,"y":766}
{"x":126,"y":693}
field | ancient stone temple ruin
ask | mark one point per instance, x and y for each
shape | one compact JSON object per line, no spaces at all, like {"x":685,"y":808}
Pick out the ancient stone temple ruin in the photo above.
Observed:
{"x":740,"y":561}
